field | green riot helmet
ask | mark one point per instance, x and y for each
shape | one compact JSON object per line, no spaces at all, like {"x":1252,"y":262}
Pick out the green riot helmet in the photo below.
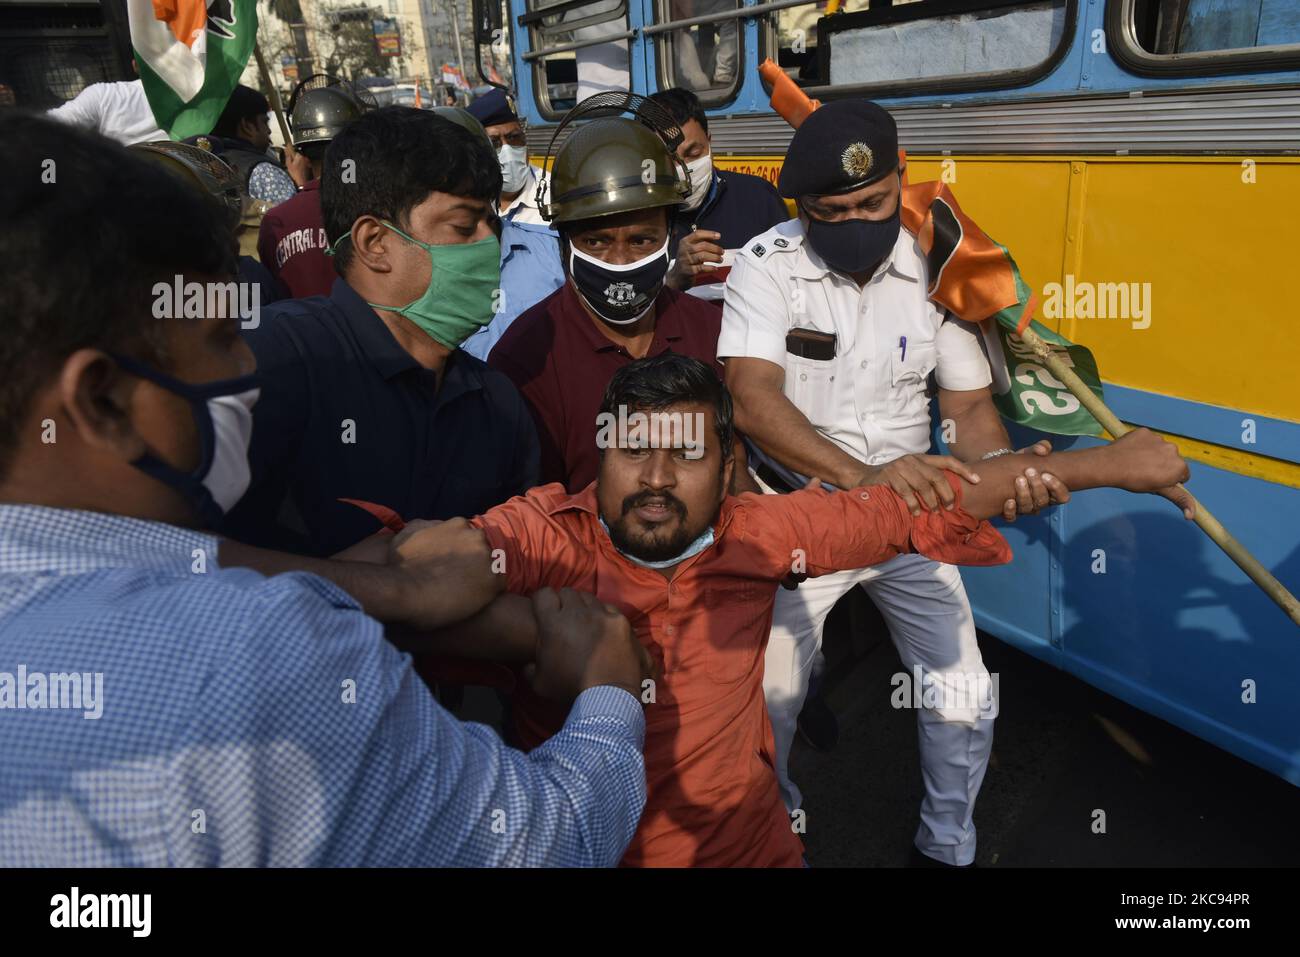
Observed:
{"x":614,"y":164}
{"x":320,"y":114}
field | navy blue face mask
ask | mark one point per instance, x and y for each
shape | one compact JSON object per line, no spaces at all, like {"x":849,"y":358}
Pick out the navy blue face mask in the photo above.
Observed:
{"x":619,"y":294}
{"x":223,"y":415}
{"x":853,"y":245}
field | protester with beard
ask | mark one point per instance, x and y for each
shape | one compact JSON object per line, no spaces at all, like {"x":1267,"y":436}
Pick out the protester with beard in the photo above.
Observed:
{"x":696,"y":571}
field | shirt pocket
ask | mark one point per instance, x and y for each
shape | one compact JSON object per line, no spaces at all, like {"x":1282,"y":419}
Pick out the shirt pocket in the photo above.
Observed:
{"x":810,"y":385}
{"x":732,"y":647}
{"x":910,"y":378}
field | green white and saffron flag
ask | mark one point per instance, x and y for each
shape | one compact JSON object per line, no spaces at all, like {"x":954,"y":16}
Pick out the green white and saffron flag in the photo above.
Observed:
{"x":975,"y":278}
{"x":1024,"y":391}
{"x":190,"y":54}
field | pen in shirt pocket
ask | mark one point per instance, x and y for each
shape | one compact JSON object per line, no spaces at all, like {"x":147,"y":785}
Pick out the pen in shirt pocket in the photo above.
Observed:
{"x":902,"y":344}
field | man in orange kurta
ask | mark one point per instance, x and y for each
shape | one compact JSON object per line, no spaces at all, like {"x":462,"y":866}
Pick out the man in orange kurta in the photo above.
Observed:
{"x":696,"y":570}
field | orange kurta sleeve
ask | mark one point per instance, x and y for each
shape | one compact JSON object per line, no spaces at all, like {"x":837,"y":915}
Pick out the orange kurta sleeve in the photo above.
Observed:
{"x":529,"y":543}
{"x":833,"y":531}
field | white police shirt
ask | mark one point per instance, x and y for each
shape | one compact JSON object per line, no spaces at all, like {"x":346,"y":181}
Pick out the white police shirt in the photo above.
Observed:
{"x":870,"y":398}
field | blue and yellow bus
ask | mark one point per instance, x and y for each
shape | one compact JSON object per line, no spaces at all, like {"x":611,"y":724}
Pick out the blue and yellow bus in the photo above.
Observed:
{"x":1149,"y":142}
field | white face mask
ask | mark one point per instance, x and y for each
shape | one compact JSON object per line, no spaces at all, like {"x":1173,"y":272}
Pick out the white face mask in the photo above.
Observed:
{"x":225,"y":409}
{"x":514,"y":168}
{"x":701,"y":170}
{"x":228,"y":477}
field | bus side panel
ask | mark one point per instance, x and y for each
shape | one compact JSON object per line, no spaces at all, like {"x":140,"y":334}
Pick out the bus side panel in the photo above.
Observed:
{"x":1182,"y":245}
{"x":1155,"y":614}
{"x":1013,"y":601}
{"x":1202,"y":242}
{"x":1166,"y":622}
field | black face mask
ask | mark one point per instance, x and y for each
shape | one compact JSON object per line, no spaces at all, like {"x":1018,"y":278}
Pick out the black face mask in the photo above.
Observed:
{"x":854,"y":245}
{"x":619,"y":294}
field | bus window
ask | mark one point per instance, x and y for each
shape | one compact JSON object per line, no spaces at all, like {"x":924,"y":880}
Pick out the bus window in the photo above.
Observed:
{"x":921,"y":45}
{"x":794,"y":37}
{"x":50,"y":53}
{"x":576,"y":48}
{"x":1198,"y":26}
{"x":703,"y":57}
{"x":1204,"y":36}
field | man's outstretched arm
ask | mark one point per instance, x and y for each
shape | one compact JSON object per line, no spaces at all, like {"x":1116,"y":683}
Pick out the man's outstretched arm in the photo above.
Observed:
{"x":814,"y":532}
{"x":1140,"y":461}
{"x":445,"y":575}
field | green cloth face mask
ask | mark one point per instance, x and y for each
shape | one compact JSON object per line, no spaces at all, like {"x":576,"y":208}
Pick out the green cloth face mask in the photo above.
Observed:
{"x":463,"y":280}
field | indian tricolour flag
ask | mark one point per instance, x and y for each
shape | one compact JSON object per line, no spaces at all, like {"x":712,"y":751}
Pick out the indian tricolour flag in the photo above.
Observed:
{"x":976,"y":279}
{"x":190,"y":54}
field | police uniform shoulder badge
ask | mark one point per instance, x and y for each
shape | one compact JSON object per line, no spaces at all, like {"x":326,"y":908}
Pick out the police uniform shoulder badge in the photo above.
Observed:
{"x":856,"y":160}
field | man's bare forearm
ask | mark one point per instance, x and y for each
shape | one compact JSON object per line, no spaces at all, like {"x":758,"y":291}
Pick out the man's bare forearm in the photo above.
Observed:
{"x":505,"y":631}
{"x":772,"y":422}
{"x":1082,"y":469}
{"x":429,"y":594}
{"x":976,"y":426}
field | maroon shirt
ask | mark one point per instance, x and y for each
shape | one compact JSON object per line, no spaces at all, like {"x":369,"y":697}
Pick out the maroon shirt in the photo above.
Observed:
{"x":561,"y":363}
{"x":292,"y":245}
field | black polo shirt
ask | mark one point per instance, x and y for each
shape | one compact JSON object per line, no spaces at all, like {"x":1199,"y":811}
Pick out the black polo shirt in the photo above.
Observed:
{"x":346,"y":412}
{"x":739,"y":206}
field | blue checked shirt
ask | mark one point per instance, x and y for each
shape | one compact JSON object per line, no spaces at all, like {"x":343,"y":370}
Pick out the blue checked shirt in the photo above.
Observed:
{"x":252,"y":721}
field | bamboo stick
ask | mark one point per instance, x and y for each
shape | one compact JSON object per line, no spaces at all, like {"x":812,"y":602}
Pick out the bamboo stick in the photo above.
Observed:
{"x":1212,"y":527}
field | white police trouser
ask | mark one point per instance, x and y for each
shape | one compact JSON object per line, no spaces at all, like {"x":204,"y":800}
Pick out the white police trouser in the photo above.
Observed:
{"x":929,"y":617}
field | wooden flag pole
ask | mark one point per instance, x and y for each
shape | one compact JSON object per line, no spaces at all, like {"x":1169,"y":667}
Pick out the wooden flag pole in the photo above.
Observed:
{"x":275,"y":97}
{"x":1248,"y":563}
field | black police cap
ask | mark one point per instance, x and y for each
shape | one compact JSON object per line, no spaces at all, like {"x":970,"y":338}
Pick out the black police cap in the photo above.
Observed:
{"x":842,"y":145}
{"x":493,"y":108}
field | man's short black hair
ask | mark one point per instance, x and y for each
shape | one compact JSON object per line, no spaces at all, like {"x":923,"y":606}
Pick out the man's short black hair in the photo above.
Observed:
{"x":398,"y":156}
{"x":683,"y":105}
{"x":656,"y":383}
{"x":86,"y":229}
{"x":244,"y":103}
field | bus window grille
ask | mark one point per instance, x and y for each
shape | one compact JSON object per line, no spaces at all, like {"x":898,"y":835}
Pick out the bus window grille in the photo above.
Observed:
{"x":48,"y":72}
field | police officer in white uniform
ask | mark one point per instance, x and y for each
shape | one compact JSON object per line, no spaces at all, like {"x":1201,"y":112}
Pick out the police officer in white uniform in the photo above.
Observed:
{"x":830,"y":340}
